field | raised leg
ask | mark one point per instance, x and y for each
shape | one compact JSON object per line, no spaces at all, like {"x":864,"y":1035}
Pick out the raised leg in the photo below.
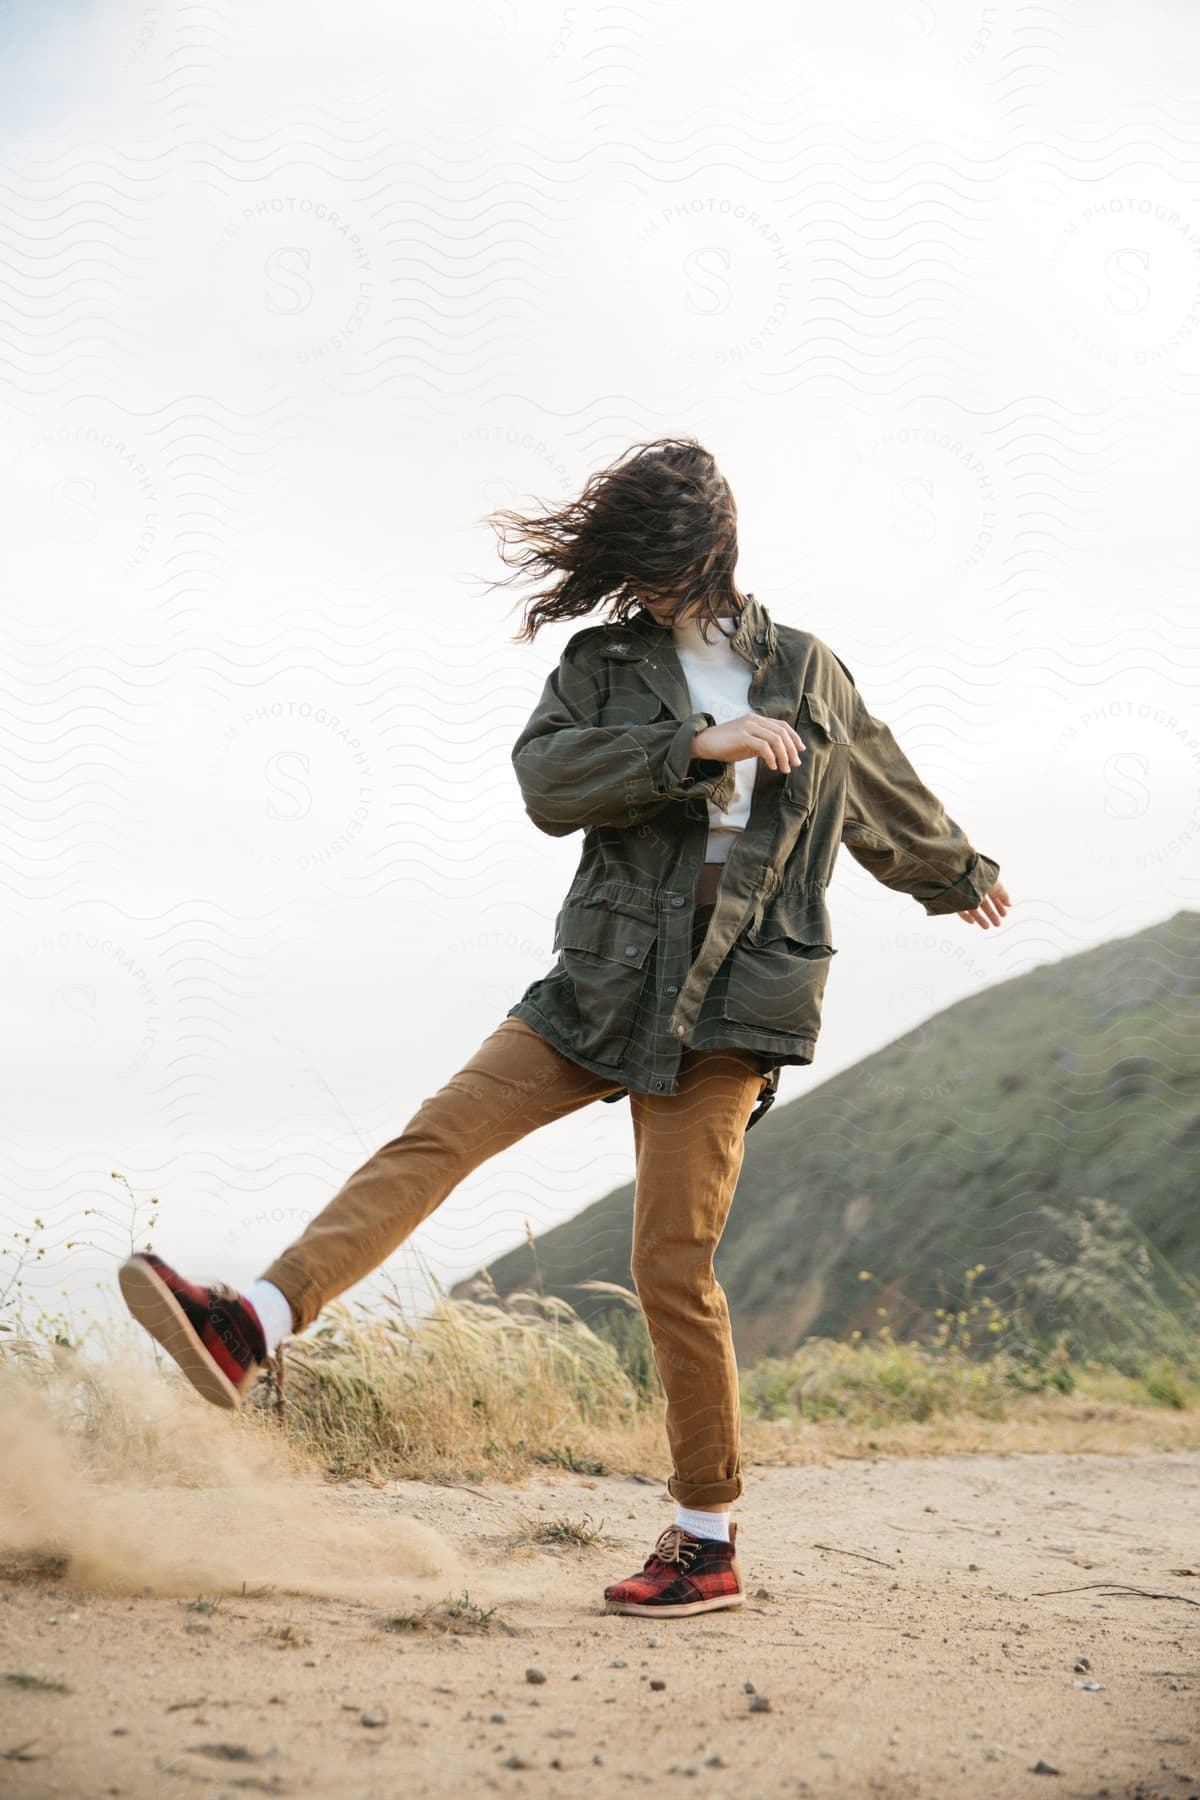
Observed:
{"x":515,"y":1082}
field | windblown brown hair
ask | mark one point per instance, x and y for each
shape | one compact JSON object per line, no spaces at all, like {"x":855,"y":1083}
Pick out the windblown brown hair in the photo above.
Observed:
{"x":659,"y":522}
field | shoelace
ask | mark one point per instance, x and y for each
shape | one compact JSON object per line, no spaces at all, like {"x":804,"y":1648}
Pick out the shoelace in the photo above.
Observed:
{"x":221,"y":1290}
{"x":676,"y":1546}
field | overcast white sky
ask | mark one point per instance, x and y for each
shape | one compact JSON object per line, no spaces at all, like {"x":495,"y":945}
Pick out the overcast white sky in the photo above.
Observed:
{"x":294,"y":295}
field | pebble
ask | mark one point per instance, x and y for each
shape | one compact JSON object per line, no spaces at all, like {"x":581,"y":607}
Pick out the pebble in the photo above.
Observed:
{"x":748,"y":1687}
{"x":515,"y":1762}
{"x":760,"y":1703}
{"x":496,"y":1718}
{"x":618,"y":1662}
{"x":536,"y":1676}
{"x":1042,"y":1767}
{"x":376,"y":1716}
{"x":657,"y":1686}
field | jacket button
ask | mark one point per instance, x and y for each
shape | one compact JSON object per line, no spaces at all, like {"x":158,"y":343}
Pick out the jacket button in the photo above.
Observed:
{"x":679,"y":1030}
{"x":660,"y":1084}
{"x":671,"y":988}
{"x":760,"y":637}
{"x":631,"y":949}
{"x":677,"y":900}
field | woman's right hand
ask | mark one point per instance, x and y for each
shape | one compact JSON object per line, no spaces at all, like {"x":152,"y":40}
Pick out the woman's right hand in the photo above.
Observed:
{"x":751,"y":735}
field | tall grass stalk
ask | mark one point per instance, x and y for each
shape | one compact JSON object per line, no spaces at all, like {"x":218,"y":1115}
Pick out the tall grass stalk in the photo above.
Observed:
{"x":474,"y":1386}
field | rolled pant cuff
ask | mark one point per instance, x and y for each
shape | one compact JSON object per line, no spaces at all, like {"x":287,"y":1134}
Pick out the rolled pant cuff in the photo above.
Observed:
{"x":302,"y":1292}
{"x":706,"y":1493}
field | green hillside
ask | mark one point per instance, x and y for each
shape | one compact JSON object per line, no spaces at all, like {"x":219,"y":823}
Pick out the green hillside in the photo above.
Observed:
{"x":1079,"y":1078}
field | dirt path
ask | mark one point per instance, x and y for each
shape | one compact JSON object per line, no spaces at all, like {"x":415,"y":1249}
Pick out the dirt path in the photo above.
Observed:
{"x":928,"y":1662}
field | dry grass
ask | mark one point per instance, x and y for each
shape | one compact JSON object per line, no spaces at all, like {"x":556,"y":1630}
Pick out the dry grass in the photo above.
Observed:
{"x":37,"y":1684}
{"x":489,"y":1387}
{"x":461,"y":1617}
{"x":1068,"y":1423}
{"x":559,"y":1534}
{"x":473,"y":1389}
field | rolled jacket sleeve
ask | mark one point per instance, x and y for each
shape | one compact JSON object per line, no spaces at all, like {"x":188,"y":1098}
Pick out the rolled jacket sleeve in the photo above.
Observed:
{"x":900,"y":831}
{"x":574,"y":774}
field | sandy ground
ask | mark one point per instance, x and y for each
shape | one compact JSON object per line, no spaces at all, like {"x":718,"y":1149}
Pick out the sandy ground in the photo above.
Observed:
{"x":897,"y":1621}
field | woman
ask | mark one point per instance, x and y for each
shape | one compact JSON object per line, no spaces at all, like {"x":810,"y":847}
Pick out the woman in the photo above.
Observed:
{"x":694,"y":944}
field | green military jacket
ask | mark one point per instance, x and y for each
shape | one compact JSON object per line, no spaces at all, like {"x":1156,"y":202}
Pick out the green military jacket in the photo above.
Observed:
{"x":607,"y":751}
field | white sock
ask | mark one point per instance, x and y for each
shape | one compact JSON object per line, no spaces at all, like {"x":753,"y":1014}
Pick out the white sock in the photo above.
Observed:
{"x":274,"y":1311}
{"x":703,"y":1524}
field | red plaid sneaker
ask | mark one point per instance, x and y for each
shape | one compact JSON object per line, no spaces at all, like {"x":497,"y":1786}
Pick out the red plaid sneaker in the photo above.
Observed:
{"x":683,"y":1574}
{"x":213,"y":1334}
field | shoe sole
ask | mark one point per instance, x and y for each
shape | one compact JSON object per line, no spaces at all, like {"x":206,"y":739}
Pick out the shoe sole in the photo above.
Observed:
{"x":674,"y":1612}
{"x":155,"y":1307}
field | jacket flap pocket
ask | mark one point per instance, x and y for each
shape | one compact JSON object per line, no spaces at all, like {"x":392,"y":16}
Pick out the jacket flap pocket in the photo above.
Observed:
{"x":802,"y":918}
{"x":599,"y":931}
{"x":616,"y":896}
{"x":815,"y":707}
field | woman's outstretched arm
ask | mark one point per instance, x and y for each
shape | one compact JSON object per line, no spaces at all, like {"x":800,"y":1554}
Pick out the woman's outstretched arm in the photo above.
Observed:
{"x":900,"y":831}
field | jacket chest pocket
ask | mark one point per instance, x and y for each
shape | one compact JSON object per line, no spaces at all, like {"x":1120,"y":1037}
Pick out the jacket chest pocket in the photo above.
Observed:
{"x":778,"y":970}
{"x":821,"y":731}
{"x":607,"y":956}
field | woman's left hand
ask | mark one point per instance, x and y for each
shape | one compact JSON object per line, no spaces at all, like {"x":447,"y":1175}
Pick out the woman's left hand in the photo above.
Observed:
{"x":991,"y":908}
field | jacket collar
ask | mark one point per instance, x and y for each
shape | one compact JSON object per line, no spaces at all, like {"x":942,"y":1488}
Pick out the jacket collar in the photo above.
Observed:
{"x":755,"y":637}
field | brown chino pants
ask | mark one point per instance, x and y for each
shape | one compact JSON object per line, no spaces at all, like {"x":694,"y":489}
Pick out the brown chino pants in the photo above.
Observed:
{"x":689,"y":1148}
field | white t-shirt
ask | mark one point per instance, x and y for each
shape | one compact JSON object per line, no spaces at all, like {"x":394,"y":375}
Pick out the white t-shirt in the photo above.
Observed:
{"x":718,"y":681}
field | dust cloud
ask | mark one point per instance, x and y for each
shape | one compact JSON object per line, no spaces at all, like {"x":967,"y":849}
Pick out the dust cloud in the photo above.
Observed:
{"x":141,"y":1487}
